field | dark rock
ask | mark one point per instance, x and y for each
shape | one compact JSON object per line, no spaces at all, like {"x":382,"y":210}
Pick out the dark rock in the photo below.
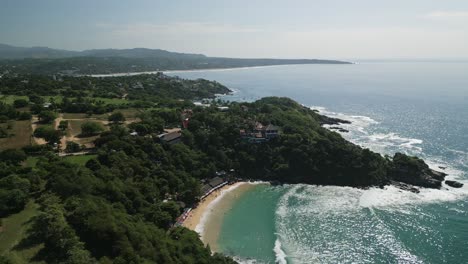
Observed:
{"x":415,"y":171}
{"x":438,"y":175}
{"x":325,"y":120}
{"x":454,"y":184}
{"x":405,"y":187}
{"x":339,"y":129}
{"x":442,"y":167}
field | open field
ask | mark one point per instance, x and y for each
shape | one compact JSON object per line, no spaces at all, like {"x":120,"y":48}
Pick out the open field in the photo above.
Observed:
{"x":74,"y":116}
{"x":21,"y":131}
{"x":114,"y":101}
{"x":14,"y":230}
{"x":9,"y":99}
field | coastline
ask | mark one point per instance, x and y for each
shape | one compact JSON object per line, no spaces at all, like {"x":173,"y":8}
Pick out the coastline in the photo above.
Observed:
{"x":120,"y":74}
{"x":206,"y":219}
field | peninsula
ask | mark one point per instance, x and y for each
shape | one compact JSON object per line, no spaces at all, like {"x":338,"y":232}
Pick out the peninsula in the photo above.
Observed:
{"x":42,"y":60}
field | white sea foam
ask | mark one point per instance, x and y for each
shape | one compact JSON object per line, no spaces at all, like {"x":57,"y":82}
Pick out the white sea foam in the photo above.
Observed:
{"x":247,"y":261}
{"x":384,"y":143}
{"x":280,"y":255}
{"x":328,"y":224}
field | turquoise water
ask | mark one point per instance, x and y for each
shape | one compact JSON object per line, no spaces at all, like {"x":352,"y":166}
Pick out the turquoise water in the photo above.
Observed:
{"x":415,"y":108}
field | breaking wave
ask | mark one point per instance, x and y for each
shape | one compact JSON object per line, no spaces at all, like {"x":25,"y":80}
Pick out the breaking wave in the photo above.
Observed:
{"x":280,"y":255}
{"x":384,"y":143}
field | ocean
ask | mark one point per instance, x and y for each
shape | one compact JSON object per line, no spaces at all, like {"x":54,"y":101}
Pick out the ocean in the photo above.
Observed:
{"x":418,"y":108}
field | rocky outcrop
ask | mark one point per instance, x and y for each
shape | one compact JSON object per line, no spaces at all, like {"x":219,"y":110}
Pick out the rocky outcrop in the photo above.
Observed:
{"x":414,"y":171}
{"x":325,"y":120}
{"x":454,"y":184}
{"x":405,"y":186}
{"x":339,"y":129}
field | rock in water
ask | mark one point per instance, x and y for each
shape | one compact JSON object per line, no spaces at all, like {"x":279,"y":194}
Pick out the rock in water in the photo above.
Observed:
{"x":415,"y":171}
{"x":454,"y":184}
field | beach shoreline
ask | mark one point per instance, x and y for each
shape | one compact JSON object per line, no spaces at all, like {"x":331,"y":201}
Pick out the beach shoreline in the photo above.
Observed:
{"x":211,"y":210}
{"x":121,"y":74}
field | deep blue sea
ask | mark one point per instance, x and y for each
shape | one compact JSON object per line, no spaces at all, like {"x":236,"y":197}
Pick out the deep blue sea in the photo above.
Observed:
{"x":412,"y":107}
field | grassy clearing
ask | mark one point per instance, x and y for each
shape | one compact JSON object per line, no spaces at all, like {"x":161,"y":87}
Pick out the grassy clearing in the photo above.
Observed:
{"x":9,"y":99}
{"x":14,"y":230}
{"x":129,"y":113}
{"x":80,"y":160}
{"x":113,"y":101}
{"x":55,"y":98}
{"x":21,"y":135}
{"x":31,"y":162}
{"x":74,"y":116}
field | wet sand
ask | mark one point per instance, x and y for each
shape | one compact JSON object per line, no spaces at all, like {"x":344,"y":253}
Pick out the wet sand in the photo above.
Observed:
{"x":207,"y":218}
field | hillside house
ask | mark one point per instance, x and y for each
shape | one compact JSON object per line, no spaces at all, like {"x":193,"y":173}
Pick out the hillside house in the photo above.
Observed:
{"x":171,"y":137}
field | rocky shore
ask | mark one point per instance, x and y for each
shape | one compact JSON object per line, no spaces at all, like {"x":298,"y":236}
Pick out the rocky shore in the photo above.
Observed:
{"x":407,"y":173}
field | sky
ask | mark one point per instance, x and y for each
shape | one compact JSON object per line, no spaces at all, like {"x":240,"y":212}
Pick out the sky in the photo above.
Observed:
{"x":327,"y":29}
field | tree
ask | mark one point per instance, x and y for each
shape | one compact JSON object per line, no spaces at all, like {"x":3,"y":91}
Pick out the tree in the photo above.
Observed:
{"x":47,"y":116}
{"x":18,"y":103}
{"x":36,"y":99}
{"x":3,"y":132}
{"x":117,"y":117}
{"x":91,"y":128}
{"x":72,"y":147}
{"x":14,"y":192}
{"x":48,"y":133}
{"x":14,"y":156}
{"x":63,"y":125}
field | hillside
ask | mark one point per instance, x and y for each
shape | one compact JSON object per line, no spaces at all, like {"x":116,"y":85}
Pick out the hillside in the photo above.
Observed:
{"x":41,"y":60}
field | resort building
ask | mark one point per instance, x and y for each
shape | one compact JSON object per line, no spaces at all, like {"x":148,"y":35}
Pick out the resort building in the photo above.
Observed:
{"x":260,"y":133}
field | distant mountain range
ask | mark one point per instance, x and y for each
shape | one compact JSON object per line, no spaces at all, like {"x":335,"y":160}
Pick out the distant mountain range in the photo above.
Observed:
{"x":12,"y":52}
{"x":44,"y":60}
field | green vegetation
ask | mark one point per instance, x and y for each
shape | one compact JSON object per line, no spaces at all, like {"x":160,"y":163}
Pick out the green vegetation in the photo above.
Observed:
{"x":10,"y":99}
{"x":79,"y":160}
{"x":91,"y":128}
{"x":117,"y":117}
{"x":14,"y":229}
{"x":18,"y":103}
{"x":47,"y":117}
{"x":48,"y":133}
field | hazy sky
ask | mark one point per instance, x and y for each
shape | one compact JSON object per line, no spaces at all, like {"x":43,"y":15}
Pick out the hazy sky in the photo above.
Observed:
{"x":338,"y":29}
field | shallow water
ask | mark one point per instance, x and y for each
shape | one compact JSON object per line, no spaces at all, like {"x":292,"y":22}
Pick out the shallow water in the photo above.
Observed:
{"x":416,"y":108}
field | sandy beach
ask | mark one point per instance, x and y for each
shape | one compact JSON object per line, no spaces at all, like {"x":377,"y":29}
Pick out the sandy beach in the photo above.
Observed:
{"x":207,"y":218}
